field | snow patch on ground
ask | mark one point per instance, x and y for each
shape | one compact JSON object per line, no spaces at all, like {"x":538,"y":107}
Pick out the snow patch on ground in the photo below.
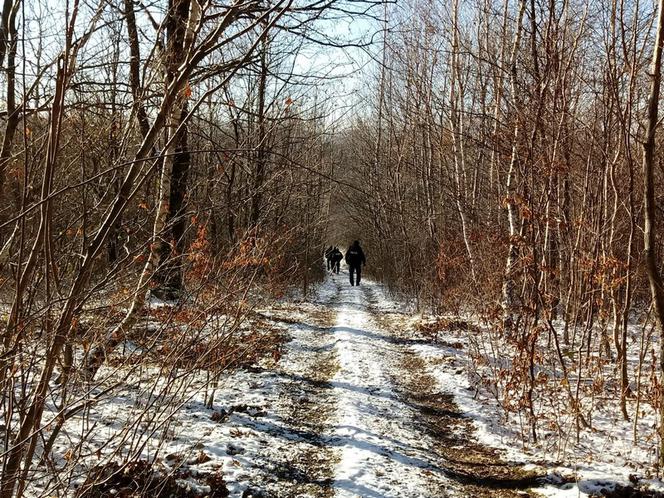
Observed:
{"x":256,"y":434}
{"x":604,"y":458}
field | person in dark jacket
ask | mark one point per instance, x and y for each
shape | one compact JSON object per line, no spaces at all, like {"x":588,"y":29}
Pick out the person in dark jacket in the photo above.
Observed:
{"x":355,"y":259}
{"x":336,"y":258}
{"x":328,"y":257}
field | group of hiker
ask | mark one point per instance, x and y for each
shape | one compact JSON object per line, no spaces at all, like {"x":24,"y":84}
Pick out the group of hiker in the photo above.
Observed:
{"x":355,"y":260}
{"x":333,"y":257}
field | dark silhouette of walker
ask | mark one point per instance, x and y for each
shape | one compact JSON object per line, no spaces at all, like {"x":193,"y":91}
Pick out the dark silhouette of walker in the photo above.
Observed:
{"x":333,"y":257}
{"x":355,"y":259}
{"x":336,"y":260}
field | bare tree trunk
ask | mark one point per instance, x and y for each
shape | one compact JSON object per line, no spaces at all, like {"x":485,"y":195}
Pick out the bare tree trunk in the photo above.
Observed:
{"x":649,"y":228}
{"x":169,"y":274}
{"x":8,"y":45}
{"x":135,"y":68}
{"x":457,"y":136}
{"x":512,"y":215}
{"x":261,"y":149}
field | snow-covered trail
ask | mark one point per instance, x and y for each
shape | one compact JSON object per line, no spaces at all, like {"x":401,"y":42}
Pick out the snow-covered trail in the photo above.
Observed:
{"x":352,"y":408}
{"x":382,"y":455}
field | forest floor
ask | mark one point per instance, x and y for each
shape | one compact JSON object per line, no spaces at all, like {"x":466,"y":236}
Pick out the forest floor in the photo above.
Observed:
{"x":359,"y":404}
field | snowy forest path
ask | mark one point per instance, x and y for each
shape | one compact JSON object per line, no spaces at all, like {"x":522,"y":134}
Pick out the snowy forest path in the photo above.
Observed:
{"x":376,"y":423}
{"x":382,"y":452}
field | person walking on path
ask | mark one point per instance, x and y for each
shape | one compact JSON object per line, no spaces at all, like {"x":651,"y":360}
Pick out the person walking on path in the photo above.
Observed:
{"x":355,"y":259}
{"x":336,"y":258}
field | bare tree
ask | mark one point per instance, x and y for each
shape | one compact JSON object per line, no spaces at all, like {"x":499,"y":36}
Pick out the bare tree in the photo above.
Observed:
{"x":654,"y":277}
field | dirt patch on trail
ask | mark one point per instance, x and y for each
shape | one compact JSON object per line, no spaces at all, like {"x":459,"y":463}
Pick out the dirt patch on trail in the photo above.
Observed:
{"x":316,"y":315}
{"x":309,"y":469}
{"x":477,"y":469}
{"x":313,"y":407}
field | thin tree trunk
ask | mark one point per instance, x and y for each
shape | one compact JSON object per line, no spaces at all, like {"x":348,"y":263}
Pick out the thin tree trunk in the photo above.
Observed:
{"x":649,"y":228}
{"x":512,"y":217}
{"x":261,"y":149}
{"x":9,"y":43}
{"x":457,"y":147}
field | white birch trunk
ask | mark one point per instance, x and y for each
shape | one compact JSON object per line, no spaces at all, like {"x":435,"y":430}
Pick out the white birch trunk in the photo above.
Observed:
{"x":510,"y":191}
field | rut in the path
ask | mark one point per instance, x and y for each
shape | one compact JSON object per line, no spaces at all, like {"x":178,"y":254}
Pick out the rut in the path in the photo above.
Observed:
{"x":307,"y":469}
{"x":310,"y":470}
{"x":477,"y":469}
{"x":474,"y":469}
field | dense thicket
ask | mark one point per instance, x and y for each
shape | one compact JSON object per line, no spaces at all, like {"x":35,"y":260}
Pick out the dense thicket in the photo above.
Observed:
{"x":503,"y":155}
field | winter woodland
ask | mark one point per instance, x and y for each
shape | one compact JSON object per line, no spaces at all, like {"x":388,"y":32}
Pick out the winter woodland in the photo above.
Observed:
{"x":172,"y":172}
